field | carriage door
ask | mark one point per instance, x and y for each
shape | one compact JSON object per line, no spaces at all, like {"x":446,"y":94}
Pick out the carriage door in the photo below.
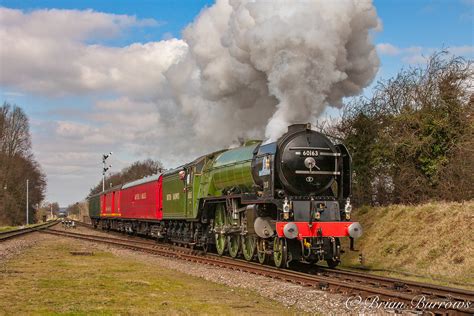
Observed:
{"x":189,"y":192}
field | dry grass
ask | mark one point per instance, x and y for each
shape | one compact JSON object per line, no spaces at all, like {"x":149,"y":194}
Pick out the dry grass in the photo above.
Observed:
{"x":49,"y":280}
{"x":434,"y":240}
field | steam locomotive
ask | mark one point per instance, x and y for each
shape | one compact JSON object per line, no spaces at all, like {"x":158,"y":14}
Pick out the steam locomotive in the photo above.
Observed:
{"x":287,"y":200}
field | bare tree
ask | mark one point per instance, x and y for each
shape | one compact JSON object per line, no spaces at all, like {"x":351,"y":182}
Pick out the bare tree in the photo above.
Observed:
{"x":14,"y":130}
{"x":16,"y":165}
{"x":137,"y":170}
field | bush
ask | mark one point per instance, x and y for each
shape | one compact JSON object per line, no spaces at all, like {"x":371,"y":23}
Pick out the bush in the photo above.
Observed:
{"x":412,"y":140}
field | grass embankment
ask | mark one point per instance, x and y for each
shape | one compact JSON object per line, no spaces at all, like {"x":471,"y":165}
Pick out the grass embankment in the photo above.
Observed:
{"x":434,"y":241}
{"x":47,"y":279}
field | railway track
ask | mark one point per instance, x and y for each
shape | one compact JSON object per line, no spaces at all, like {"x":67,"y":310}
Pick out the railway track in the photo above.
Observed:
{"x":392,"y":283}
{"x":22,"y":231}
{"x":392,"y":293}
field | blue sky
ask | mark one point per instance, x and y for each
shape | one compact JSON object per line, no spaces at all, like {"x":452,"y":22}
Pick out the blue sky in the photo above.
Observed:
{"x":426,"y":24}
{"x":406,"y":22}
{"x":64,"y":121}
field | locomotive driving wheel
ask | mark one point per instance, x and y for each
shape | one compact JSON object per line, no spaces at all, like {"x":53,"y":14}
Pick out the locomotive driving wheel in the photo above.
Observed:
{"x":280,"y":252}
{"x":249,"y":243}
{"x":220,"y":221}
{"x":332,"y":263}
{"x":262,"y":250}
{"x":233,"y":243}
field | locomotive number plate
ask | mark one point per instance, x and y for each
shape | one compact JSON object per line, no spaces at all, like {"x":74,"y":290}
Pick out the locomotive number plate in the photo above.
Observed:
{"x":307,"y":153}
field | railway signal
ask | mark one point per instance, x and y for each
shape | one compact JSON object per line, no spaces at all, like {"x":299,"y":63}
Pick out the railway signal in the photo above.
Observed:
{"x":104,"y":168}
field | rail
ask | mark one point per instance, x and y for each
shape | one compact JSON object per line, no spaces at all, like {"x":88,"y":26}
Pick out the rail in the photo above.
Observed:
{"x":9,"y":234}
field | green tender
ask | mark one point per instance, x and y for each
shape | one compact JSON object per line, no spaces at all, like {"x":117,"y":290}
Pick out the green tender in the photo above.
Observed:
{"x":220,"y":171}
{"x":177,"y":197}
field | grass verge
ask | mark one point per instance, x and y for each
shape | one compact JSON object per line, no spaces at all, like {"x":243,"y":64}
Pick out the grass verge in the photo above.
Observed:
{"x":431,"y":243}
{"x":49,"y":280}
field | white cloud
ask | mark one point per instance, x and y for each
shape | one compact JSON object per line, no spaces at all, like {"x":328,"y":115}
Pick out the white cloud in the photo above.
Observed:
{"x":46,"y":53}
{"x":70,"y":151}
{"x":387,"y":49}
{"x":415,"y":59}
{"x":462,"y":50}
{"x":68,"y":24}
{"x":13,"y":94}
{"x":418,"y":54}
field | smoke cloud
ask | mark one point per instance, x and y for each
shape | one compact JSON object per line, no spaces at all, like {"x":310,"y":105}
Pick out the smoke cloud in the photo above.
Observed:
{"x":254,"y":67}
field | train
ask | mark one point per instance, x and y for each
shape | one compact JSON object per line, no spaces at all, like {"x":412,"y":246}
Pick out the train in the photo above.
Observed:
{"x":279,"y":202}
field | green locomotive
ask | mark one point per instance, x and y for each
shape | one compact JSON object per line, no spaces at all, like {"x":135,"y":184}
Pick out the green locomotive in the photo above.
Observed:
{"x":287,"y":200}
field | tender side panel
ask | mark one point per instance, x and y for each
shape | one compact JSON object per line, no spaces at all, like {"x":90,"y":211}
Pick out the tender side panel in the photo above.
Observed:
{"x":174,"y":196}
{"x":142,"y":201}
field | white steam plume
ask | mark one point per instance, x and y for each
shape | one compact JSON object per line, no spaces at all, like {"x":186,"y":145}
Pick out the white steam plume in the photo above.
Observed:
{"x":255,"y":67}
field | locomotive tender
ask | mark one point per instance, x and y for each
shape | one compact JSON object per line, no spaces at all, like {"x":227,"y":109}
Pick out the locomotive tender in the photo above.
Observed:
{"x":287,"y":200}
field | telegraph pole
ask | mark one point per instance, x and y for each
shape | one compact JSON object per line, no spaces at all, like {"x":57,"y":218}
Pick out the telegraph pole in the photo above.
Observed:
{"x":104,"y":168}
{"x":27,"y":202}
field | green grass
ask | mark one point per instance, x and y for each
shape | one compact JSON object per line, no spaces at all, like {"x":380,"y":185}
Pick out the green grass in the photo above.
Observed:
{"x":431,"y":243}
{"x":48,"y":280}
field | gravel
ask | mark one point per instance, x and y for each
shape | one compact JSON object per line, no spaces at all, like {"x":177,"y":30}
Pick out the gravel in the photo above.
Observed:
{"x":12,"y":247}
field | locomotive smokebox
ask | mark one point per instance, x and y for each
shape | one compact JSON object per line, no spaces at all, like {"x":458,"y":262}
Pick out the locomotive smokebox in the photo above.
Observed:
{"x":306,"y":161}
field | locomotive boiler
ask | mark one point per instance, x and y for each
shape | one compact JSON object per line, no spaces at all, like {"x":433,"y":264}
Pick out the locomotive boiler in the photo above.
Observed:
{"x":287,"y":201}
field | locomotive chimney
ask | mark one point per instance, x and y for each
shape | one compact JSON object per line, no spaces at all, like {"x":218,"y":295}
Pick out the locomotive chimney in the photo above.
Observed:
{"x":299,"y":127}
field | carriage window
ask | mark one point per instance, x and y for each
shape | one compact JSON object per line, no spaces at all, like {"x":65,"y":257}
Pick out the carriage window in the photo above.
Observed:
{"x":199,"y":165}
